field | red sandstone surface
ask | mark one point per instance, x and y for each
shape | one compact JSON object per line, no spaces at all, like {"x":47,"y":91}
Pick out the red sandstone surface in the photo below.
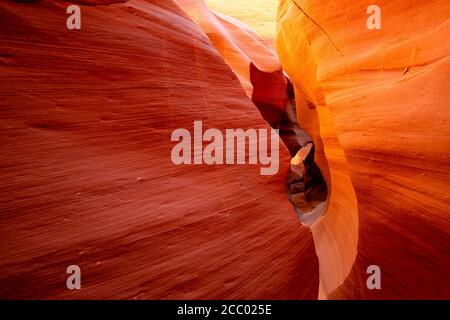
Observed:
{"x":87,"y":178}
{"x":86,"y":118}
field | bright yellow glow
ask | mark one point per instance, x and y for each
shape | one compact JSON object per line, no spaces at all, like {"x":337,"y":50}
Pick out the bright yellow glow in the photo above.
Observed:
{"x":258,"y":14}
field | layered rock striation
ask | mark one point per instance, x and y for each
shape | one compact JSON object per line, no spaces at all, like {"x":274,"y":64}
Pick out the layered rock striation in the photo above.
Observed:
{"x":375,"y":103}
{"x":87,"y":177}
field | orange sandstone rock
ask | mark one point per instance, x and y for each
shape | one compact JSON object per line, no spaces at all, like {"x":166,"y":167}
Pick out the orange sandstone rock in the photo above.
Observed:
{"x":238,"y":45}
{"x":376,"y":104}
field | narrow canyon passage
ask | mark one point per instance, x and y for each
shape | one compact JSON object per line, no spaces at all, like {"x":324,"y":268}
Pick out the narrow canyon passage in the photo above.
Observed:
{"x":305,"y":185}
{"x":88,"y":179}
{"x":373,"y":101}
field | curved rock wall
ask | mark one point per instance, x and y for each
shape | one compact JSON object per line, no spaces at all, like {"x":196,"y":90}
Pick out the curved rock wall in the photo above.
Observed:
{"x":377,"y":101}
{"x":86,"y":118}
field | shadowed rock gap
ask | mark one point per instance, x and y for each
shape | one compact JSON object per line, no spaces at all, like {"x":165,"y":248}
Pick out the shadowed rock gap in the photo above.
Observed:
{"x":274,"y":96}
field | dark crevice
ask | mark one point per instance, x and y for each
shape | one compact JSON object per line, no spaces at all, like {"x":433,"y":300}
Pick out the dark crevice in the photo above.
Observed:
{"x":274,"y":95}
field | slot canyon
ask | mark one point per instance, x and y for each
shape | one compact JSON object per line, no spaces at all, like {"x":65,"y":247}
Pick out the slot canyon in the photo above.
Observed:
{"x":87,"y":177}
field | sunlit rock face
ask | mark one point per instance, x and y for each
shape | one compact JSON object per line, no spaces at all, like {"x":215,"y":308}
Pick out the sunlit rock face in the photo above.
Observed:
{"x":237,"y":43}
{"x":258,"y":69}
{"x":260,"y":15}
{"x":87,"y":176}
{"x":376,"y":104}
{"x":86,"y":171}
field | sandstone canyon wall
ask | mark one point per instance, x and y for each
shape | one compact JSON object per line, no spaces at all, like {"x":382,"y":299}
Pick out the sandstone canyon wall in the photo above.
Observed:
{"x":87,"y":178}
{"x":86,"y":119}
{"x":377,"y":103}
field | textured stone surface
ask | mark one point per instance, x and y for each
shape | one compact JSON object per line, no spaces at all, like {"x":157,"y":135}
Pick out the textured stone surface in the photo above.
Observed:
{"x":376,"y":104}
{"x":86,"y":118}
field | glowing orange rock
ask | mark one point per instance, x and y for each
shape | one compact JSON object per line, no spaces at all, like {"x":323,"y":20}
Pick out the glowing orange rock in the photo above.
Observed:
{"x":238,"y":45}
{"x":376,"y":104}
